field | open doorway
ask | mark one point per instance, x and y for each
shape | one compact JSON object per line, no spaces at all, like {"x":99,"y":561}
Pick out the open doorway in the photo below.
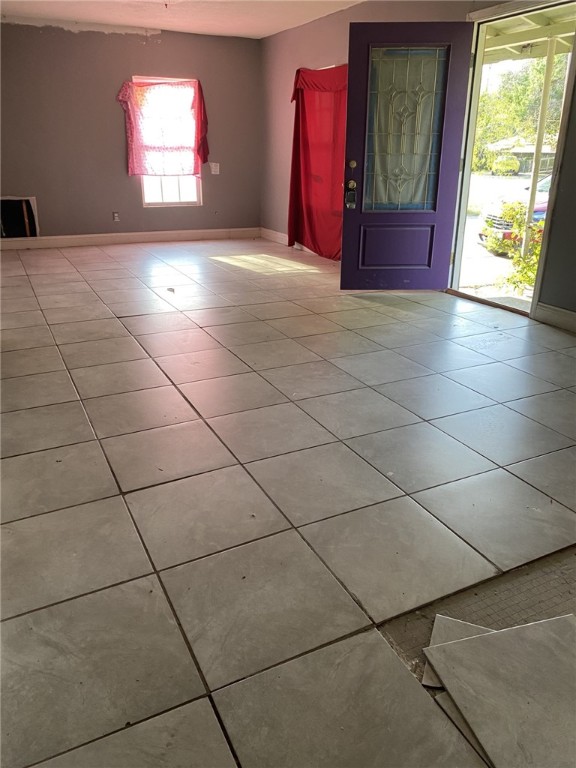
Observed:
{"x":521,"y":79}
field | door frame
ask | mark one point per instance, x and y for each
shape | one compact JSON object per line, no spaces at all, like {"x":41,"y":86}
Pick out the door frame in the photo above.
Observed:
{"x":480,"y":19}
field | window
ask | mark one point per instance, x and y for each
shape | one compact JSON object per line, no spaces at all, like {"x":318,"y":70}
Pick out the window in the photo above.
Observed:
{"x":171,"y":190}
{"x":166,"y":129}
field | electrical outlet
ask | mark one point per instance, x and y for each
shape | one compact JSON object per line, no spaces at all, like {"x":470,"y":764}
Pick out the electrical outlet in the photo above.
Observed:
{"x":115,"y":216}
{"x":215,"y":168}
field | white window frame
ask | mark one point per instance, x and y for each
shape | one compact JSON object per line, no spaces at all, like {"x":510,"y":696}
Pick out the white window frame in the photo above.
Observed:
{"x":197,"y":179}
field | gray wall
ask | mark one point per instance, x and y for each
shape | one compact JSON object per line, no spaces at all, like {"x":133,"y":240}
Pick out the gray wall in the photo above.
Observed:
{"x":559,"y":278}
{"x":320,"y":44}
{"x":63,"y":136}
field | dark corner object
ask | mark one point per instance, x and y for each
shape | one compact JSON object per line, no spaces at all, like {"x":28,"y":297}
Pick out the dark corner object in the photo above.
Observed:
{"x":17,"y":218}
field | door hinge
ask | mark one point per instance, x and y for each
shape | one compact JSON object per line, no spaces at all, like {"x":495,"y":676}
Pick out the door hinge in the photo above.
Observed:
{"x":472,"y":59}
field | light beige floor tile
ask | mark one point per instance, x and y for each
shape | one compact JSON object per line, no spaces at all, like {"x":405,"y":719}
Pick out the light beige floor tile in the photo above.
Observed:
{"x":39,"y":389}
{"x":257,"y":605}
{"x":61,"y":477}
{"x":149,"y":671}
{"x":115,"y":378}
{"x":63,"y":554}
{"x":167,"y":453}
{"x":48,"y":426}
{"x":201,"y":515}
{"x":186,"y":737}
{"x":136,"y":411}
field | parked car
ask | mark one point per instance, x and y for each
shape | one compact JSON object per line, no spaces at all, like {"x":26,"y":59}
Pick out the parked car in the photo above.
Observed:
{"x":494,"y":224}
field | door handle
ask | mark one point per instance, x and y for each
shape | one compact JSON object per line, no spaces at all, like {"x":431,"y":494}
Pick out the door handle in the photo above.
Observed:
{"x":350,"y":194}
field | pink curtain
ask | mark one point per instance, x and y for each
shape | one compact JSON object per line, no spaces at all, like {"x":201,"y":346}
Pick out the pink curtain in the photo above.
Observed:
{"x":316,"y":183}
{"x":166,"y":128}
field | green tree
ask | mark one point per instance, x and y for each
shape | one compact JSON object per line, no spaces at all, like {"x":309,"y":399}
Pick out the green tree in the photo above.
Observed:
{"x":513,"y":109}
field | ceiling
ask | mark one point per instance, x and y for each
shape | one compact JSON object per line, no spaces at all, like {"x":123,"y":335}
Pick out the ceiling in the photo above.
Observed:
{"x":236,"y":18}
{"x":525,"y":36}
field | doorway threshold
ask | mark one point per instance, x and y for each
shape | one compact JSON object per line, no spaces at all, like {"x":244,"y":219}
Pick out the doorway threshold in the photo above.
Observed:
{"x":498,"y":304}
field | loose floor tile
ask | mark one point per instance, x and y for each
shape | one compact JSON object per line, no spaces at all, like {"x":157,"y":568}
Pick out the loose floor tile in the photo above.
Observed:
{"x":500,"y":381}
{"x":395,"y":557}
{"x":25,"y":338}
{"x":346,"y":482}
{"x":274,"y":354}
{"x":555,"y":367}
{"x":505,"y":519}
{"x":39,"y":389}
{"x":167,"y":453}
{"x":115,"y":378}
{"x":266,"y":432}
{"x":434,"y":396}
{"x":553,"y":474}
{"x":446,"y":703}
{"x":310,"y":379}
{"x":136,"y":411}
{"x":501,"y":434}
{"x":349,"y":414}
{"x":381,"y":367}
{"x":40,"y":482}
{"x":230,"y":394}
{"x":446,"y":630}
{"x":517,"y":690}
{"x":57,"y":659}
{"x":257,"y":605}
{"x":556,"y":410}
{"x":88,"y":330}
{"x":443,"y":356}
{"x":48,"y":426}
{"x":419,"y":456}
{"x":186,"y":737}
{"x":244,"y":333}
{"x":24,"y":362}
{"x":86,"y":353}
{"x":177,"y":342}
{"x":202,"y":515}
{"x":196,"y":366}
{"x":306,"y":325}
{"x":159,"y":323}
{"x":54,"y":557}
{"x":351,"y":704}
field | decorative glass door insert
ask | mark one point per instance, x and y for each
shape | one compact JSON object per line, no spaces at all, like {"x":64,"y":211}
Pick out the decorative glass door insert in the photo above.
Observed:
{"x":406,"y":96}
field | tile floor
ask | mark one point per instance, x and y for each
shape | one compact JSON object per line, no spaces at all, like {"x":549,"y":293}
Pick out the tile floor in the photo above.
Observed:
{"x":221,"y":475}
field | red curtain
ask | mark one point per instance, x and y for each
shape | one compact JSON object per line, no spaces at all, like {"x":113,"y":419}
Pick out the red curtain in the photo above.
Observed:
{"x":316,"y":183}
{"x":166,"y":127}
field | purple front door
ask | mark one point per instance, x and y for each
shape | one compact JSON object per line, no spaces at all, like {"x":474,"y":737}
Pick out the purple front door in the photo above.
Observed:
{"x":407,"y":92}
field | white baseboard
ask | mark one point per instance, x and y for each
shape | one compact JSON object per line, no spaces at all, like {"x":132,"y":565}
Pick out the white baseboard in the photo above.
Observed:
{"x":115,"y":238}
{"x":275,"y":237}
{"x":561,"y":318}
